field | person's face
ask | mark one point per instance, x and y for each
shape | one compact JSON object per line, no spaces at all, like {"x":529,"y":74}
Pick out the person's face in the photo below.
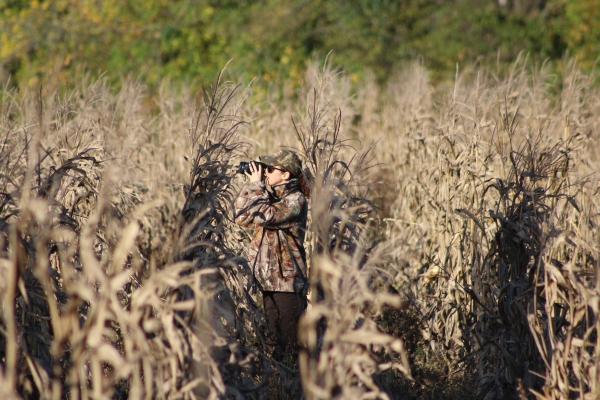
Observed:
{"x":276,"y":175}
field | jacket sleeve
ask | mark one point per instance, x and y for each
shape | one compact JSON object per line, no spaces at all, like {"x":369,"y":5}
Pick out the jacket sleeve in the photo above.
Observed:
{"x":253,"y":207}
{"x":253,"y":194}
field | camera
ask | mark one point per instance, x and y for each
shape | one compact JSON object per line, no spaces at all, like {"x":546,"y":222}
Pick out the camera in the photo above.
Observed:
{"x":244,"y":166}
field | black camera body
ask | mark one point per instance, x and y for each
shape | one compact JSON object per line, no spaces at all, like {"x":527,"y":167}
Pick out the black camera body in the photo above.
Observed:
{"x":244,"y":167}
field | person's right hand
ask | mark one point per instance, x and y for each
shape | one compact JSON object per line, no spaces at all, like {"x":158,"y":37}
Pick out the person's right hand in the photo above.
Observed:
{"x":255,"y":172}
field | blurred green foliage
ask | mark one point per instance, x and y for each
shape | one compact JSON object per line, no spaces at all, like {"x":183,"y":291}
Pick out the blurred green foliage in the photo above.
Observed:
{"x":192,"y":40}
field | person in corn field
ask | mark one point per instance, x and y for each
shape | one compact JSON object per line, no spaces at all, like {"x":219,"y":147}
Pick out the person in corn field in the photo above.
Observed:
{"x":277,"y":209}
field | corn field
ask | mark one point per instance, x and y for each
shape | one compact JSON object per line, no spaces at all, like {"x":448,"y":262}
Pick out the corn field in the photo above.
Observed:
{"x":453,"y":239}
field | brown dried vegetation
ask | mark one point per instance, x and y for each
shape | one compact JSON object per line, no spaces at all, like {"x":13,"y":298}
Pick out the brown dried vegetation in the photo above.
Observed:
{"x":453,"y":239}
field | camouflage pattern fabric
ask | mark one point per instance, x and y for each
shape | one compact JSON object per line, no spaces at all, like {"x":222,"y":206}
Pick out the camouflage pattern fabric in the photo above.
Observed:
{"x":279,"y":220}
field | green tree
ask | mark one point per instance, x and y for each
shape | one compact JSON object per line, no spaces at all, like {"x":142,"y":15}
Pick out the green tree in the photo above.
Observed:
{"x":273,"y":39}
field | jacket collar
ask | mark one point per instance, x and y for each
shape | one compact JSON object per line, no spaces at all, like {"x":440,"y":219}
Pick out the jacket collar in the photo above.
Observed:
{"x":286,"y":188}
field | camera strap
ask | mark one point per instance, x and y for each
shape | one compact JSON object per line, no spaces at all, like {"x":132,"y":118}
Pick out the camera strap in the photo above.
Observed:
{"x":253,"y":286}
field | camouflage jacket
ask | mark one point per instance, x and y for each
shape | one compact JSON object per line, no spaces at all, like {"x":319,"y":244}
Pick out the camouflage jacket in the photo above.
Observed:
{"x":277,"y":255}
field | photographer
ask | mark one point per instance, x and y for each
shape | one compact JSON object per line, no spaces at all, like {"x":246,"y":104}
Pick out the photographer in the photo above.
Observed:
{"x":277,"y":254}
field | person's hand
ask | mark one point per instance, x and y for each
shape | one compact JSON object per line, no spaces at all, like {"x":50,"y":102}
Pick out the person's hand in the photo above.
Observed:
{"x":255,"y":172}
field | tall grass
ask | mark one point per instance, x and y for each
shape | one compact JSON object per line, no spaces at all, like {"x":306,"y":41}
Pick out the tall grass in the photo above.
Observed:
{"x":453,"y":239}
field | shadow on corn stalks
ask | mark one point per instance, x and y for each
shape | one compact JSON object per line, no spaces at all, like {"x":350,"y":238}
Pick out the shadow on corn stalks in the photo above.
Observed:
{"x":532,"y":280}
{"x":497,"y":217}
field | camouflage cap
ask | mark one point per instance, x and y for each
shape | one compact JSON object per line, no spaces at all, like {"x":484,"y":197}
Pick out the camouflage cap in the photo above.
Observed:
{"x":286,"y":159}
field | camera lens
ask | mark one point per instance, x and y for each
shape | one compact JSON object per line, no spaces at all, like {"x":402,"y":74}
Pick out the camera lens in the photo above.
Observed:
{"x":244,"y":167}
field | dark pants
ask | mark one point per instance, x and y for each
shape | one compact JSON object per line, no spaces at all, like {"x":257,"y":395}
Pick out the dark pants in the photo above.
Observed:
{"x":283,"y":311}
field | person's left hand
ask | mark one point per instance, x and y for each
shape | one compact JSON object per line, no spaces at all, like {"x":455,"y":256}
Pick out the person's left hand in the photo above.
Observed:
{"x":255,"y":172}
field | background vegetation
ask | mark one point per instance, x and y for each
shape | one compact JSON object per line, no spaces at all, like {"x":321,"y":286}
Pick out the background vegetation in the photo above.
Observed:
{"x":273,"y":40}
